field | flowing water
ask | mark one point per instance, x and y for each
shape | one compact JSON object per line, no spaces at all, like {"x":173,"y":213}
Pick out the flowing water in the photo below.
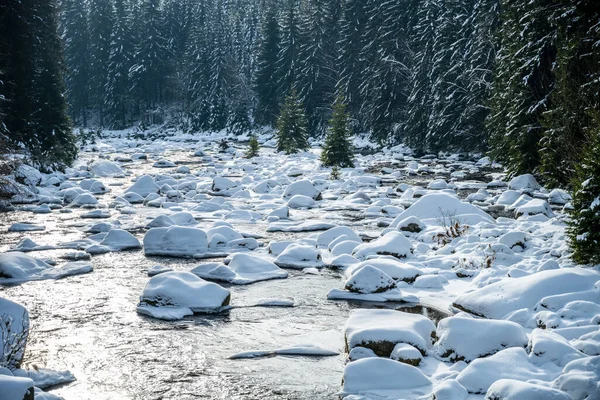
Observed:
{"x":88,"y":324}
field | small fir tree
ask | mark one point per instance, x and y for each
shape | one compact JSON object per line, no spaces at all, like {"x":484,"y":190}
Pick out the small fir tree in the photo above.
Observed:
{"x":337,"y":150}
{"x":584,"y":226}
{"x":292,"y":132}
{"x":335,"y":173}
{"x":253,"y":147}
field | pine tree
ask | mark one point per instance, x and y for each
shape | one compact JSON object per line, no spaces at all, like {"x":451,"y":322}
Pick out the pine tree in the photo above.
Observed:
{"x":53,"y":145}
{"x":101,"y":23}
{"x":337,"y":149}
{"x":253,"y":147}
{"x":288,"y":66}
{"x":77,"y":47}
{"x":266,"y":79}
{"x":318,"y":77}
{"x":118,"y":100}
{"x":584,"y":226}
{"x":292,"y":134}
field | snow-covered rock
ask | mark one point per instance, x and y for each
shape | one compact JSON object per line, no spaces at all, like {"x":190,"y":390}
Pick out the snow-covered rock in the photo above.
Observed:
{"x":382,"y":330}
{"x":407,"y":354}
{"x":393,"y":243}
{"x":301,"y":201}
{"x":119,"y":240}
{"x":580,"y":379}
{"x":395,"y":269}
{"x":14,"y":329}
{"x":325,"y":238}
{"x":510,"y":389}
{"x":535,"y":207}
{"x":25,"y":227}
{"x":486,"y":337}
{"x":143,"y":186}
{"x":302,"y":187}
{"x":105,"y":168}
{"x":299,"y":256}
{"x":524,"y":182}
{"x":16,"y":388}
{"x":173,"y":295}
{"x":242,"y":269}
{"x":175,"y":241}
{"x":369,"y":279}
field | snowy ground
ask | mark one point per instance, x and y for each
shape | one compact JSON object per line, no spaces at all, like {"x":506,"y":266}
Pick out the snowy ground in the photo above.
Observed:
{"x":122,"y":249}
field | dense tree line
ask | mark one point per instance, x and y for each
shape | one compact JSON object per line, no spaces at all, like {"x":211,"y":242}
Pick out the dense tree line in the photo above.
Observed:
{"x":32,"y":103}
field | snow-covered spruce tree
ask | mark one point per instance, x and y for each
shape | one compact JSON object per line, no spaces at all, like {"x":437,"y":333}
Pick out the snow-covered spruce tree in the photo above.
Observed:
{"x":523,"y":83}
{"x":576,"y":92}
{"x":118,"y":99}
{"x":51,"y":142}
{"x":337,"y":149}
{"x":292,"y":130}
{"x":76,"y":38}
{"x":318,"y":75}
{"x":253,"y":147}
{"x":288,"y":66}
{"x":266,"y":79}
{"x":351,"y":65}
{"x":101,"y":23}
{"x":147,"y":74}
{"x":584,"y":226}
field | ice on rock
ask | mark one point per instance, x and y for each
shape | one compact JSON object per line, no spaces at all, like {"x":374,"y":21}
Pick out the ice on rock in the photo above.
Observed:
{"x":25,"y":227}
{"x":14,"y":320}
{"x":304,"y":188}
{"x":500,"y":298}
{"x":369,"y":279}
{"x":300,"y":256}
{"x":407,"y":354}
{"x":173,"y":295}
{"x":510,"y":389}
{"x":374,"y":374}
{"x":241,"y":270}
{"x":511,"y":363}
{"x":105,"y":168}
{"x":434,"y":208}
{"x":144,"y":186}
{"x":382,"y":330}
{"x":486,"y":337}
{"x":119,"y":240}
{"x":175,"y":241}
{"x":392,"y":243}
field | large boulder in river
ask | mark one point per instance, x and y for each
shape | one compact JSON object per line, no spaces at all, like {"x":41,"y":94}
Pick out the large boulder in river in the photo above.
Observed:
{"x":175,"y":241}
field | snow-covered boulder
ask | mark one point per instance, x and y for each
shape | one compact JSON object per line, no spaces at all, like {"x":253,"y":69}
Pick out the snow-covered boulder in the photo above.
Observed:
{"x":374,"y":374}
{"x":580,"y":379}
{"x":534,"y":207}
{"x":486,"y":337}
{"x":410,"y":224}
{"x":27,"y":175}
{"x":16,"y":388}
{"x":14,"y":329}
{"x":175,"y":241}
{"x":143,"y":186}
{"x":303,"y":187}
{"x":393,"y":243}
{"x":300,"y":201}
{"x":84,"y":200}
{"x":223,"y":186}
{"x":242,"y":269}
{"x":438,"y":208}
{"x":105,"y":168}
{"x":513,"y":238}
{"x":25,"y":227}
{"x":300,"y":256}
{"x":547,"y":346}
{"x":559,"y":197}
{"x":119,"y":240}
{"x":162,"y":221}
{"x":395,"y":269}
{"x":524,"y":182}
{"x":511,"y":363}
{"x":503,"y":297}
{"x":510,"y":389}
{"x":325,"y":238}
{"x":17,"y":265}
{"x":382,"y":330}
{"x":407,"y":354}
{"x":369,"y":279}
{"x":173,"y":295}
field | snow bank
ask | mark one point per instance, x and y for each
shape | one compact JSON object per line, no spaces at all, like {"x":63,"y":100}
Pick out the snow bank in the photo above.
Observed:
{"x":500,"y":298}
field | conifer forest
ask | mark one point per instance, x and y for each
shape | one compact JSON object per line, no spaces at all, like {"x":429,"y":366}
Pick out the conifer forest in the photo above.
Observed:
{"x":296,"y":164}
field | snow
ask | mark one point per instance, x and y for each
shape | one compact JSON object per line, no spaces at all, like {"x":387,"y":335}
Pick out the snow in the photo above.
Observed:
{"x":369,"y":279}
{"x":500,"y":298}
{"x":510,"y":389}
{"x":144,"y":186}
{"x":524,"y":182}
{"x":241,"y":270}
{"x":105,"y":168}
{"x":17,"y":267}
{"x":393,"y":243}
{"x":486,"y":337}
{"x":511,"y":363}
{"x":175,"y":241}
{"x":407,"y":354}
{"x":173,"y":295}
{"x":378,"y":374}
{"x":381,"y":330}
{"x":119,"y":240}
{"x":534,"y":207}
{"x":15,"y":388}
{"x":395,"y":269}
{"x":580,"y":379}
{"x":299,"y":256}
{"x":300,"y":201}
{"x":324,"y":239}
{"x":302,"y":187}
